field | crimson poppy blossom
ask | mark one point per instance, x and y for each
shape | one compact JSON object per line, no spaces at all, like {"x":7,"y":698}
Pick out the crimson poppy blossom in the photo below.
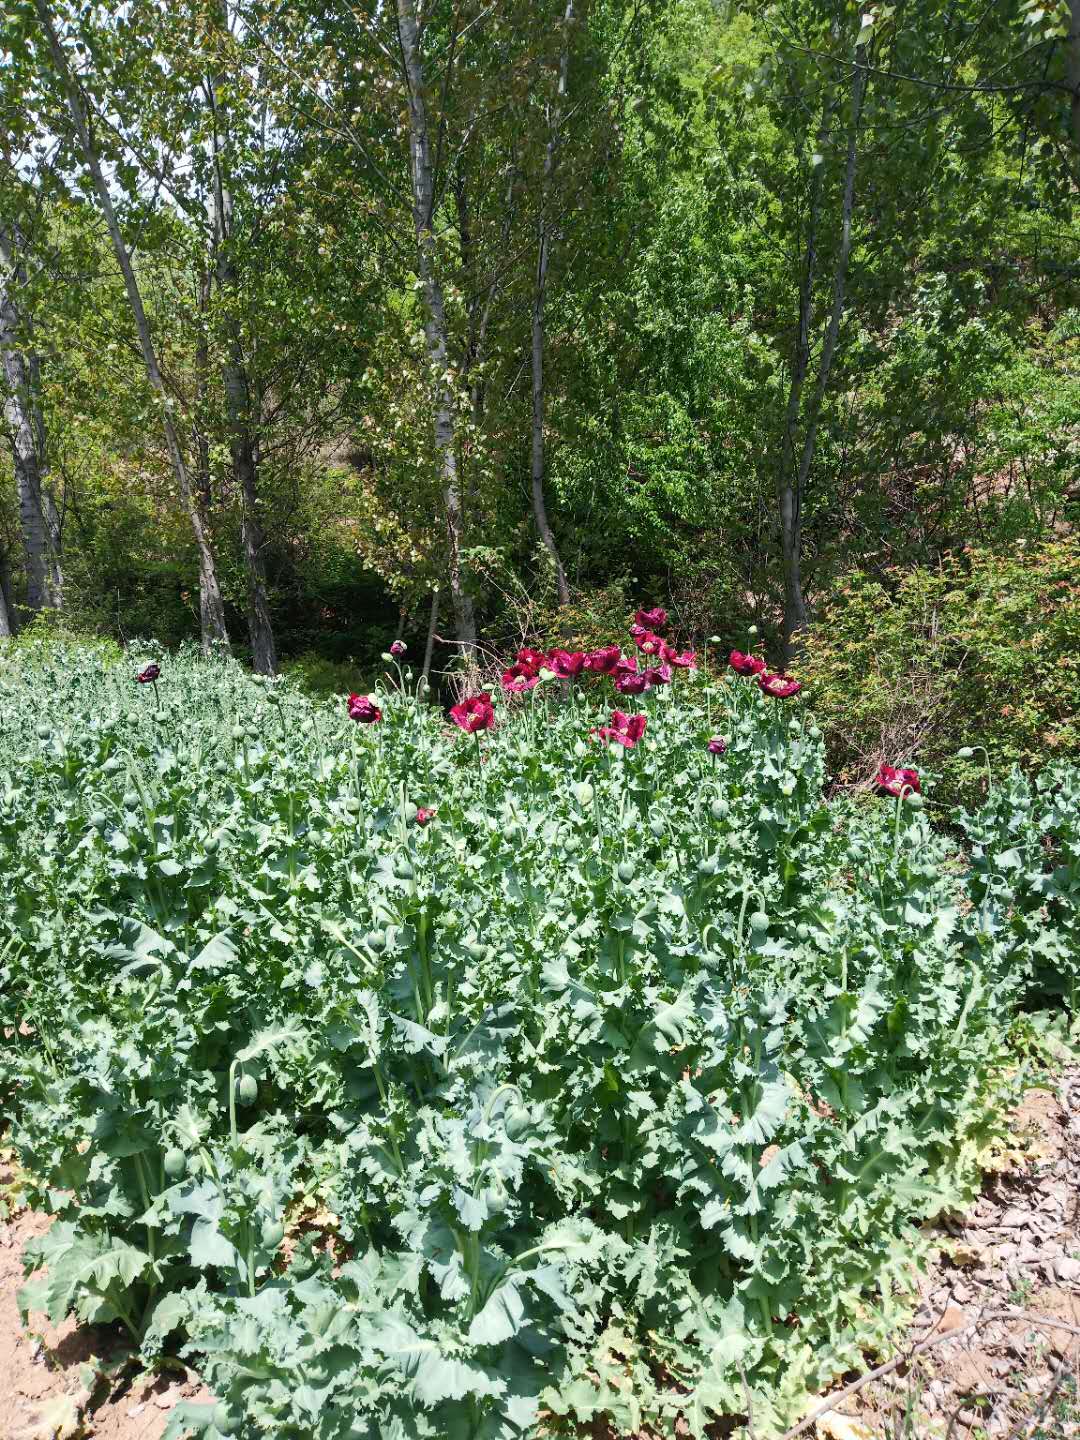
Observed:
{"x":659,"y":675}
{"x":531,"y":660}
{"x":474,"y":714}
{"x":746,"y":664}
{"x":717,"y":745}
{"x":654,"y":619}
{"x":363,"y":711}
{"x":780,"y":686}
{"x":148,"y":674}
{"x":604,"y":660}
{"x":682,"y":660}
{"x":625,"y":730}
{"x":397,"y":649}
{"x":518,"y":679}
{"x":646,"y":641}
{"x":424,"y":814}
{"x":898,"y":781}
{"x":566,"y":664}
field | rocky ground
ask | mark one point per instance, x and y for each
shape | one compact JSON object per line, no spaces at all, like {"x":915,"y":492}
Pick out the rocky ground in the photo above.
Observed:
{"x":993,"y":1354}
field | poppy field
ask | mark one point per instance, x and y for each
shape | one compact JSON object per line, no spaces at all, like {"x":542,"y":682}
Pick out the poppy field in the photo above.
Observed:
{"x":540,"y":1064}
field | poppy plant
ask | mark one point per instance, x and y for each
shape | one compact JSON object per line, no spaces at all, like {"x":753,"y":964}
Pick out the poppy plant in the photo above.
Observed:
{"x":746,"y":664}
{"x":148,"y":674}
{"x":518,"y":679}
{"x":604,"y":660}
{"x":531,"y":660}
{"x":424,"y":814}
{"x":897,"y":781}
{"x":473,"y":714}
{"x":646,"y":641}
{"x":363,"y":710}
{"x":625,"y":730}
{"x":717,"y":745}
{"x":684,"y":660}
{"x":658,"y":675}
{"x":654,"y":619}
{"x":397,"y":649}
{"x":780,"y":686}
{"x":566,"y":664}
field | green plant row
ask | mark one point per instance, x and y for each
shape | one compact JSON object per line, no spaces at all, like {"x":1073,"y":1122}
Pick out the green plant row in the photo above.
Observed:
{"x":617,"y":1089}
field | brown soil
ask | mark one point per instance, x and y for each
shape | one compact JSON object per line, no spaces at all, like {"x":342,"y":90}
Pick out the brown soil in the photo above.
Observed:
{"x":53,"y":1381}
{"x":1007,"y":1268}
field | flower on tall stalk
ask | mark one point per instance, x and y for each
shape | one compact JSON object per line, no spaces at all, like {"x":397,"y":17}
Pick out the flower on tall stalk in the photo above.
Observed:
{"x":654,"y":619}
{"x":682,"y":660}
{"x":625,"y":730}
{"x":473,"y":714}
{"x":425,"y":813}
{"x":518,"y":679}
{"x":780,"y":686}
{"x":629,"y":680}
{"x":646,"y":641}
{"x":566,"y":664}
{"x":658,"y":675}
{"x":896,"y":781}
{"x":148,"y":674}
{"x":604,"y":660}
{"x":746,"y":664}
{"x":363,"y":710}
{"x":398,"y":648}
{"x":717,"y":745}
{"x":530,"y":660}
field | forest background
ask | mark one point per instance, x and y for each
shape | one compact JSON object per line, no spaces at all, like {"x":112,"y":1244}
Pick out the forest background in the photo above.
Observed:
{"x":469,"y":323}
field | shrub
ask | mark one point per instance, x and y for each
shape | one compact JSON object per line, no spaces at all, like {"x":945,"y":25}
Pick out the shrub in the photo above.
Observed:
{"x":615,"y":1087}
{"x":983,"y":651}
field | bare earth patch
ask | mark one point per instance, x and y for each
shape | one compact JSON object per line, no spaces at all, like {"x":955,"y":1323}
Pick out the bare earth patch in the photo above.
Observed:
{"x":53,"y":1379}
{"x":1007,"y":1283}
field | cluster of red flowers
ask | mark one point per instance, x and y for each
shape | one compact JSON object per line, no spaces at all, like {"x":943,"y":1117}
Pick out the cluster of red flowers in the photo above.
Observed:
{"x":608,"y":660}
{"x":148,"y":674}
{"x":363,"y":710}
{"x":625,"y":730}
{"x":779,"y":685}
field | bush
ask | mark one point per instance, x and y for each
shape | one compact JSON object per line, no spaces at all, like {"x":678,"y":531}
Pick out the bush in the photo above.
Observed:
{"x":983,"y":651}
{"x":621,"y":1082}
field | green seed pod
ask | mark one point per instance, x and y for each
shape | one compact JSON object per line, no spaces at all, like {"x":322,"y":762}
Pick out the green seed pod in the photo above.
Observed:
{"x":719,"y":809}
{"x":626,"y":872}
{"x":814,"y":732}
{"x":914,"y":800}
{"x":176,"y":1163}
{"x":44,"y":731}
{"x":247,"y":1090}
{"x":375,"y":940}
{"x":273,"y":1232}
{"x":571,"y":845}
{"x":221,"y":767}
{"x":98,"y":819}
{"x":451,"y":920}
{"x":707,"y":865}
{"x":238,"y":732}
{"x":225,"y":1421}
{"x":211,"y":844}
{"x":803,"y":932}
{"x":475,"y":950}
{"x":352,"y":805}
{"x":657,"y":826}
{"x":759,"y":922}
{"x":410,"y":812}
{"x":518,"y":1121}
{"x":131,"y":799}
{"x":403,"y":870}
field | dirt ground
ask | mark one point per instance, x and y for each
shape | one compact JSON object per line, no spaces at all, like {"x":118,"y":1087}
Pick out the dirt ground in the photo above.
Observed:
{"x":998,"y":1323}
{"x":53,"y":1380}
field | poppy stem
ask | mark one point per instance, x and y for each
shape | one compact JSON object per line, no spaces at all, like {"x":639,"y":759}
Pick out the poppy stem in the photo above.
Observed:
{"x":157,"y":697}
{"x":479,"y":762}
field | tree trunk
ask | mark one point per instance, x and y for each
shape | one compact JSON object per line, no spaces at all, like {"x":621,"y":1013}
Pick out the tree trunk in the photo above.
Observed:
{"x":539,"y":295}
{"x":7,"y":609}
{"x":435,"y":328}
{"x":238,"y":404}
{"x":38,"y":519}
{"x":213,"y":611}
{"x":429,"y":647}
{"x":793,"y":485}
{"x":1072,"y":71}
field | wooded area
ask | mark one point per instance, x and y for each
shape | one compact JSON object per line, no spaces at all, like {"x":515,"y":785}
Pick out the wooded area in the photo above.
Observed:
{"x":328,"y":323}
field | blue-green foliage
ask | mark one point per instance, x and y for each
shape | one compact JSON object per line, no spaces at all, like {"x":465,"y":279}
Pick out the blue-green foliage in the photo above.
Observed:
{"x":618,"y":1087}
